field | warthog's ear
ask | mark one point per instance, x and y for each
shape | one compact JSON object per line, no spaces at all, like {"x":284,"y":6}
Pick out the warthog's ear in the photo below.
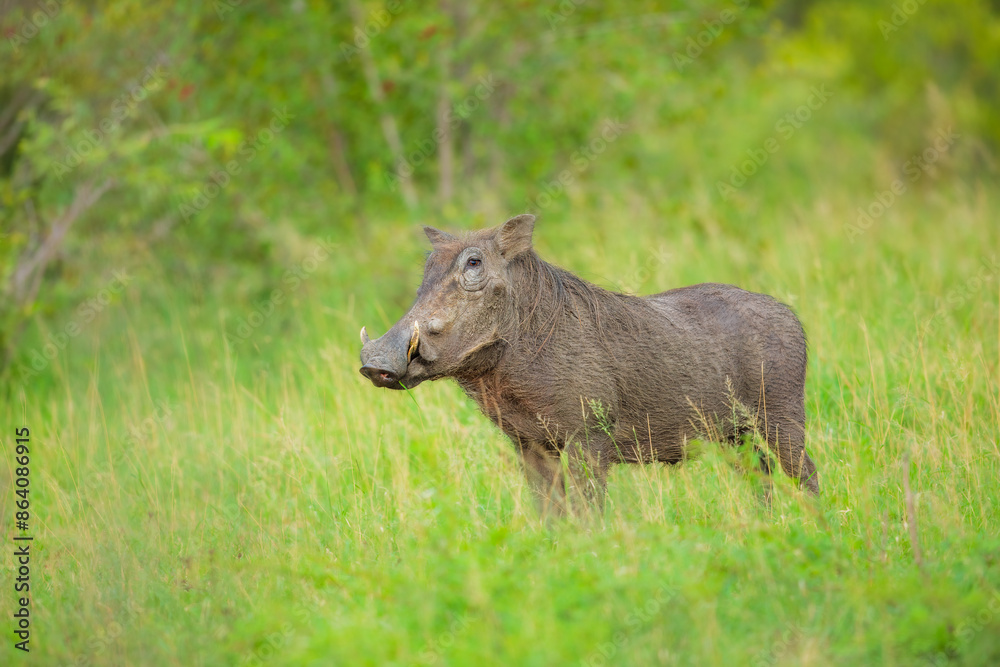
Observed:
{"x":437,"y":237}
{"x":514,"y":236}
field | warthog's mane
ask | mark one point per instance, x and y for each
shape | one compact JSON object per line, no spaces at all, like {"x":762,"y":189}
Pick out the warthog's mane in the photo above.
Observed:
{"x":547,"y":298}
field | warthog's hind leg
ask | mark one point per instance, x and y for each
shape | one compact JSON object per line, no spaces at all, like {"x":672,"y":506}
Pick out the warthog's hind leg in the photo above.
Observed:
{"x":759,"y":470}
{"x":787,"y":440}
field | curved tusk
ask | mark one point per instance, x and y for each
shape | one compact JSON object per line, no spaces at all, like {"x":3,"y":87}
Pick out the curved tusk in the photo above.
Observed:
{"x":364,"y":337}
{"x":414,"y":340}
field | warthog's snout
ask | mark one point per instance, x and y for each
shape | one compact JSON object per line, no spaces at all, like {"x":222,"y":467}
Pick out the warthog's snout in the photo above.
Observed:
{"x":386,"y":360}
{"x":380,"y":377}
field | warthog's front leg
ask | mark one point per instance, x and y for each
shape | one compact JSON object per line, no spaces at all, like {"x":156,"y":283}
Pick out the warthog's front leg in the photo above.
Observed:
{"x":545,"y":478}
{"x":563,"y":482}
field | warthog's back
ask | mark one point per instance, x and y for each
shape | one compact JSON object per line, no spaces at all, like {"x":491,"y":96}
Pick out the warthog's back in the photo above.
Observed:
{"x":732,"y":322}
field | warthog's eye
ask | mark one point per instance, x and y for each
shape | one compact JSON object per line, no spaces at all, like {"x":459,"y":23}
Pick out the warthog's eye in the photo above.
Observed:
{"x":472,"y":276}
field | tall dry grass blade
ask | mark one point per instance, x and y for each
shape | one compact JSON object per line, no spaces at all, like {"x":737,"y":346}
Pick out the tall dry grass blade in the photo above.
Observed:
{"x":911,"y":514}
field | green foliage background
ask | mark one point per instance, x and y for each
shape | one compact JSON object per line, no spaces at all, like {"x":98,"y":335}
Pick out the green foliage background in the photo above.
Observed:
{"x":215,"y":484}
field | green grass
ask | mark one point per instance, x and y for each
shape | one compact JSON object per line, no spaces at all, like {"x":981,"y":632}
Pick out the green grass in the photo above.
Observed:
{"x":272,"y":507}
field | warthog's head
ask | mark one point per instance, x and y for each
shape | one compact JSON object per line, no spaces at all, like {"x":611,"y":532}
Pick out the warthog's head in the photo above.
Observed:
{"x":454,"y":326}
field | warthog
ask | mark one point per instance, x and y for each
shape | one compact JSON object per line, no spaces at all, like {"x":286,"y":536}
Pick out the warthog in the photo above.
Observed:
{"x":566,"y":368}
